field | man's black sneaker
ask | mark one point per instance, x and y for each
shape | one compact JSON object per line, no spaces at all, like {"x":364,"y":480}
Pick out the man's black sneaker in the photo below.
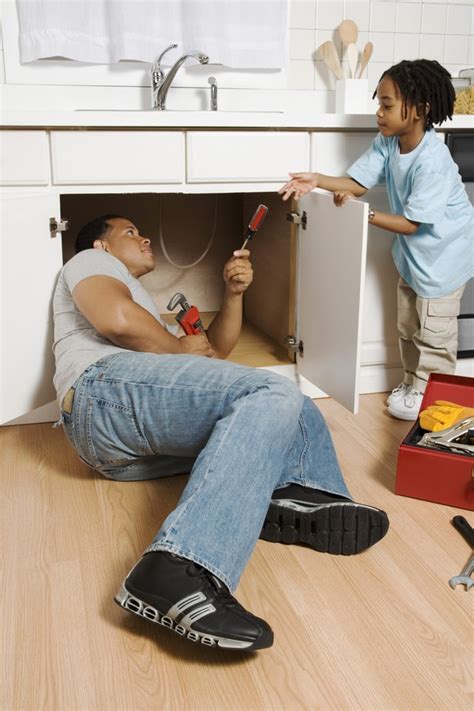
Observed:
{"x":176,"y":593}
{"x":323,"y":521}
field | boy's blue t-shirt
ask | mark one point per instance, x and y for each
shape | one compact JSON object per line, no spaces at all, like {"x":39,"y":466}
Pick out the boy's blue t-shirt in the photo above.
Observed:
{"x":424,"y":186}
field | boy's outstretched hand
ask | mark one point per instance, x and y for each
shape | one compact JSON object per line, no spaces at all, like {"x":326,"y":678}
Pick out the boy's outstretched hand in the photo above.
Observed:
{"x":342,"y":196}
{"x":238,"y":272}
{"x":300,"y":184}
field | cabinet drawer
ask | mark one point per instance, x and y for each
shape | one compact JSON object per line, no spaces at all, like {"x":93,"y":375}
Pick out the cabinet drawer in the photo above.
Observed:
{"x":333,"y":153}
{"x":117,"y":157}
{"x":24,"y":158}
{"x":245,"y":156}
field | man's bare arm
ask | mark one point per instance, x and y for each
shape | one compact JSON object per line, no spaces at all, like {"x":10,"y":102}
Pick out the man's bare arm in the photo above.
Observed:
{"x":224,"y":330}
{"x":108,"y":305}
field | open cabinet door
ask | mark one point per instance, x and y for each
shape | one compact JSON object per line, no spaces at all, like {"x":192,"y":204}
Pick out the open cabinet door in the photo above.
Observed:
{"x":29,"y":263}
{"x":330,"y":283}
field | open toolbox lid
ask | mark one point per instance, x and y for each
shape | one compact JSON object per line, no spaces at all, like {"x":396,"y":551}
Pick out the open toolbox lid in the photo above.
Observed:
{"x":453,"y":388}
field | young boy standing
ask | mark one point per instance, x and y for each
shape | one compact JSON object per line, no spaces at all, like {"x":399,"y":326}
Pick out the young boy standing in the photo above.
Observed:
{"x":432,"y":218}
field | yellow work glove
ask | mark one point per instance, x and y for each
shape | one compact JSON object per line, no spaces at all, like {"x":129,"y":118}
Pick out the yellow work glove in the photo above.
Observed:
{"x":443,"y":414}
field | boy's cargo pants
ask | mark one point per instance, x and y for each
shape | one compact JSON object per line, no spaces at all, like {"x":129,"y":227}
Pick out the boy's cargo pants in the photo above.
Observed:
{"x":428,"y":334}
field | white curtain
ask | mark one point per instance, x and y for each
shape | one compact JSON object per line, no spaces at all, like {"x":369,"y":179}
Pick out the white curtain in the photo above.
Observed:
{"x":236,"y":33}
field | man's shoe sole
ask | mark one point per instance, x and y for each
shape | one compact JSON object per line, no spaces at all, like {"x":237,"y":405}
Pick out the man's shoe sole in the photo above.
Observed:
{"x":133,"y":604}
{"x":338,"y":528}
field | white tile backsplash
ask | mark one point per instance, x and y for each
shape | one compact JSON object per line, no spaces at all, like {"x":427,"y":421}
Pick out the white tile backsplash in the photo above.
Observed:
{"x":409,"y":17}
{"x":303,"y":14}
{"x":432,"y":47}
{"x":384,"y":45}
{"x":383,"y":16}
{"x":359,"y":11}
{"x":399,"y":29}
{"x":407,"y":46}
{"x":456,"y":49}
{"x":459,"y":19}
{"x":302,"y":44}
{"x":301,"y":75}
{"x":329,"y":14}
{"x":433,"y":20}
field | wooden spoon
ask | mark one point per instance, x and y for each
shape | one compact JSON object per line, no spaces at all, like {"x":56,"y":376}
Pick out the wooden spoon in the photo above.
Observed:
{"x":364,"y":57}
{"x":352,"y":54}
{"x":348,"y":32}
{"x":329,"y":54}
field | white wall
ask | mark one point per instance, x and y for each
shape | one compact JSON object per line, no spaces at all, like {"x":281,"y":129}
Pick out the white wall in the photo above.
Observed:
{"x":408,"y":29}
{"x":403,"y":29}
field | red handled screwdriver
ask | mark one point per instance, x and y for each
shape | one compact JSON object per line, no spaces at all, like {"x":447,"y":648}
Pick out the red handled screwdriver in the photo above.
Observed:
{"x":255,"y":223}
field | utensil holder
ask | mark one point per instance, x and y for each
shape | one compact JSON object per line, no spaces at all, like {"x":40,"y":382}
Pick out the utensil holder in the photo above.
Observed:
{"x":352,"y":96}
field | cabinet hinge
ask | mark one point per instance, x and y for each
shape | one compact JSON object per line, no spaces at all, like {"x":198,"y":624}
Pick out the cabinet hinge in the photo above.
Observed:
{"x":297,"y":219}
{"x":56,"y":226}
{"x":293,"y":345}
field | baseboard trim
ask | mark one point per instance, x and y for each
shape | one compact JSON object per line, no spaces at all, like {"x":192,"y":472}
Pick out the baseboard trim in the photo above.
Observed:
{"x":373,"y":378}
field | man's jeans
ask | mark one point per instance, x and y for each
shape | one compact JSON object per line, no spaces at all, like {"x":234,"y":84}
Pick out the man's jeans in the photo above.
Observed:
{"x":241,"y":432}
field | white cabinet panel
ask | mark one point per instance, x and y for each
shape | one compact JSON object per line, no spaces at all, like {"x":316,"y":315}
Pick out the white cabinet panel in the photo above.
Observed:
{"x":117,"y":157}
{"x":30,"y":261}
{"x":333,"y":153}
{"x":245,"y":156}
{"x":331,"y":275}
{"x":24,"y":158}
{"x":379,"y":333}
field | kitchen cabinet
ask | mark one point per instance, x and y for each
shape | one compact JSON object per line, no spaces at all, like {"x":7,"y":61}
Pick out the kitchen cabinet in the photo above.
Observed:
{"x":29,"y":264}
{"x":313,"y":280}
{"x":245,"y":156}
{"x":24,"y":158}
{"x":117,"y":157}
{"x":324,"y":308}
{"x":330,"y":283}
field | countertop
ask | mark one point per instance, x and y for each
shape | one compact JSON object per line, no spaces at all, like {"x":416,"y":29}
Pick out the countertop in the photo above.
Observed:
{"x":272,"y":120}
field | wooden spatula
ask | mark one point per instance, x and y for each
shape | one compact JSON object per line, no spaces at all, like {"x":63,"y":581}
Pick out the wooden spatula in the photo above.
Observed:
{"x":348,"y":32}
{"x":352,"y":54}
{"x":364,"y":57}
{"x":329,"y":54}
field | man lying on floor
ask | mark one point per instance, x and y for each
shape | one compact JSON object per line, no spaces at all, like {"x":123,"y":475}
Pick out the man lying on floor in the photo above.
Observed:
{"x":140,"y":403}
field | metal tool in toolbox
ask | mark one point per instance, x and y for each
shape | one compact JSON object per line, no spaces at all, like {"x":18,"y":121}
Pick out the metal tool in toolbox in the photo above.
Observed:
{"x":464,"y":577}
{"x":188,"y":317}
{"x":458,"y":439}
{"x":255,"y":223}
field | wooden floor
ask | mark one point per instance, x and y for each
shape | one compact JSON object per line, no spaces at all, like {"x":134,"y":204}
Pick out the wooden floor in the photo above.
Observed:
{"x":381,"y":630}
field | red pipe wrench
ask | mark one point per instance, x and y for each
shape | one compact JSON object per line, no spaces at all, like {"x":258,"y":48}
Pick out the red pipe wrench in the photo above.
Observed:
{"x":188,"y":318}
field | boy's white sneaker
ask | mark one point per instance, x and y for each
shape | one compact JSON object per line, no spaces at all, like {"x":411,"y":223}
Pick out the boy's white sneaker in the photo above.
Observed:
{"x":398,"y":393}
{"x":407,"y":408}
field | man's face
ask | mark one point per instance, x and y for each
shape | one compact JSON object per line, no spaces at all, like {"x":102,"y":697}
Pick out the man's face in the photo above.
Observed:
{"x":123,"y":241}
{"x":391,"y":120}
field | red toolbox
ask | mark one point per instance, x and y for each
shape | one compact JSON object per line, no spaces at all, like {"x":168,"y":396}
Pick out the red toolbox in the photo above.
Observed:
{"x":430,"y":473}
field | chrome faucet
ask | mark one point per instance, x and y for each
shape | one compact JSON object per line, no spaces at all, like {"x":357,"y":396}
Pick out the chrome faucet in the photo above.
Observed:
{"x":160,"y":83}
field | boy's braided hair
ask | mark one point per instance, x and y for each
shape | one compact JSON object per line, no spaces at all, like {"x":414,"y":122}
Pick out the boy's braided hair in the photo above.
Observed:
{"x":426,"y":84}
